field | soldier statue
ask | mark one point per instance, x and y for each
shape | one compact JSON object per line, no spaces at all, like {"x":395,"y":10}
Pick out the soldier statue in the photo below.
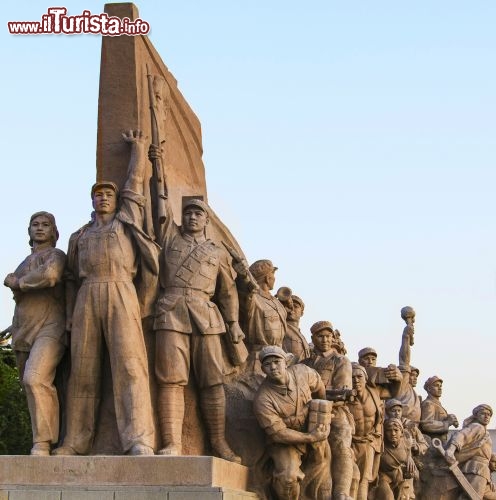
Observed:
{"x":197,"y":299}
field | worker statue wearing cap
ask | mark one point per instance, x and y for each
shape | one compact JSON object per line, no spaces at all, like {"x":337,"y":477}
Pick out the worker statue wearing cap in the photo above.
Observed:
{"x":335,"y":371}
{"x":435,"y":421}
{"x":197,"y":299}
{"x":263,"y":316}
{"x":103,"y":309}
{"x":281,"y":406}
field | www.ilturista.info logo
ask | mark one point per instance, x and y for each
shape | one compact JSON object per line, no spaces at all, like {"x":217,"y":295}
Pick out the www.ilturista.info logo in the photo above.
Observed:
{"x":57,"y":22}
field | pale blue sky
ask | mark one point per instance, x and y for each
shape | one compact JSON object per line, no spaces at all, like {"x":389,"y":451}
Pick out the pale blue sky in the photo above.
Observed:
{"x":353,"y":143}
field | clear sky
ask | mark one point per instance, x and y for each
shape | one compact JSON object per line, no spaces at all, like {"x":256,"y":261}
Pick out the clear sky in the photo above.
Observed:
{"x":353,"y":143}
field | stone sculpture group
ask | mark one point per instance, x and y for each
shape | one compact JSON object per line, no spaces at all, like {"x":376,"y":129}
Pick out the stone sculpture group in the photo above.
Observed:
{"x":308,"y":421}
{"x":333,"y":428}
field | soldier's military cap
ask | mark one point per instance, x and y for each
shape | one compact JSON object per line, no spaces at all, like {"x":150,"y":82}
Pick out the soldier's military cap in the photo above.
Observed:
{"x":262,"y":268}
{"x":196,"y":202}
{"x":104,"y":184}
{"x":272,"y":350}
{"x":431,"y":380}
{"x":391,"y":403}
{"x":366,"y":350}
{"x":298,"y":300}
{"x":321,"y":325}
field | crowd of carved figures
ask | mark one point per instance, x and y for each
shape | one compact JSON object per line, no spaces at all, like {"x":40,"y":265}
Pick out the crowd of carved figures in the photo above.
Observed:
{"x":333,"y":428}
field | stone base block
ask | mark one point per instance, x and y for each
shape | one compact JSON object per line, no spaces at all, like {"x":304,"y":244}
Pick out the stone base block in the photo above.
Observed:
{"x":122,"y":478}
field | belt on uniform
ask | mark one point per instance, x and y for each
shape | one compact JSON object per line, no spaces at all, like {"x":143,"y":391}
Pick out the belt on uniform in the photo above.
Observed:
{"x":107,"y":279}
{"x":188,"y":292}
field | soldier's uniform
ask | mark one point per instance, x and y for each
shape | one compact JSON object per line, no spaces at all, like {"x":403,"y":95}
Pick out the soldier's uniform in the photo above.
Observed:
{"x":194,"y":272}
{"x":38,"y":336}
{"x":294,"y":341}
{"x":266,"y":320}
{"x":104,"y":261}
{"x":263,"y":317}
{"x":434,"y":418}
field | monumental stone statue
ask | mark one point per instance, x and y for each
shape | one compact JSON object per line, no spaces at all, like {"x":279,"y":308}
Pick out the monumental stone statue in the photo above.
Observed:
{"x":435,"y":420}
{"x":335,"y":371}
{"x":263,"y":315}
{"x":148,"y":266}
{"x":377,"y":375}
{"x":103,"y":311}
{"x":472,"y":448}
{"x":189,"y":322}
{"x":281,"y":406}
{"x":407,"y":394}
{"x":294,"y":341}
{"x":368,"y":414}
{"x":397,"y":466}
{"x":38,"y":327}
{"x":416,"y":440}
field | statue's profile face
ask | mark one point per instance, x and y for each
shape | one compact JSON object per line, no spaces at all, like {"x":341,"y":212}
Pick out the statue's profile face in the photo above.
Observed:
{"x":436,"y":389}
{"x":323,"y":340}
{"x":275,"y":369}
{"x":483,"y":416}
{"x":368,"y":360}
{"x":194,"y":220}
{"x":358,"y":380}
{"x":271,"y":279}
{"x":395,"y":412}
{"x":296,"y":313}
{"x":40,"y":230}
{"x":104,"y":200}
{"x":393,"y":434}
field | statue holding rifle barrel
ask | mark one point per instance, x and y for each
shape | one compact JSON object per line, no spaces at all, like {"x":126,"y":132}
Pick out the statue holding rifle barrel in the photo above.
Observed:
{"x":197,"y":304}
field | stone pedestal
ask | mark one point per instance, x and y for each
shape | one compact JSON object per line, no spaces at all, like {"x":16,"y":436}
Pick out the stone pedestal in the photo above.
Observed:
{"x":122,"y":478}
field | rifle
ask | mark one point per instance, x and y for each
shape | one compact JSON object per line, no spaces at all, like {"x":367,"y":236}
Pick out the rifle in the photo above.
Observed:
{"x":236,"y":257}
{"x":159,"y":189}
{"x":344,"y":395}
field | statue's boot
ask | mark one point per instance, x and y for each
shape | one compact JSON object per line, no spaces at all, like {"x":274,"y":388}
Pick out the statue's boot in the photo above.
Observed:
{"x":213,"y":405}
{"x":171,"y":416}
{"x":65,"y":450}
{"x":41,"y":449}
